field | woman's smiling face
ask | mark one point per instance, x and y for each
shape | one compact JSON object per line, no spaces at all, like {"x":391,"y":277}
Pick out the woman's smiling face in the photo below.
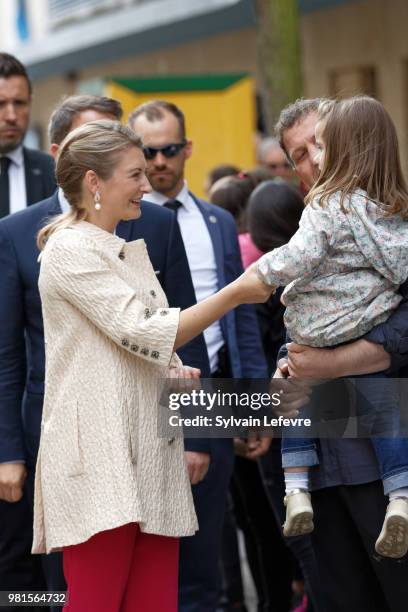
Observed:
{"x":121,"y":194}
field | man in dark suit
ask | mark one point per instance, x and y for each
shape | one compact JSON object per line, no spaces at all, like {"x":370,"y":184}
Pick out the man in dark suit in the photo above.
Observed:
{"x":233,"y":343}
{"x":348,"y":496}
{"x":26,"y":176}
{"x":21,"y":378}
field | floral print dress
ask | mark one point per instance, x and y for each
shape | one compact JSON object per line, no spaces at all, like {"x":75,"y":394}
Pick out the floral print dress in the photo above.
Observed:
{"x":342,"y":270}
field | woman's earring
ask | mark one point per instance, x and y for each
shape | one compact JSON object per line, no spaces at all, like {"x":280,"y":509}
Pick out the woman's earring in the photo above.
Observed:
{"x":97,"y":200}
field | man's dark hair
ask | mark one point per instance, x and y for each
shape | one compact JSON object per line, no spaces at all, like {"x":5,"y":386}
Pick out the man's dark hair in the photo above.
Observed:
{"x":154,"y":111}
{"x":293,"y":113}
{"x":63,"y":116}
{"x":10,"y":66}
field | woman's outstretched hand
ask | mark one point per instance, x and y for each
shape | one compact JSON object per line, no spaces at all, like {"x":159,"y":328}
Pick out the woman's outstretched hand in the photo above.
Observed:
{"x":251,"y":290}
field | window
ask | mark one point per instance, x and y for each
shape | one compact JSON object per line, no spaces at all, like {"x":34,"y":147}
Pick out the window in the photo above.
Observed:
{"x":61,"y":11}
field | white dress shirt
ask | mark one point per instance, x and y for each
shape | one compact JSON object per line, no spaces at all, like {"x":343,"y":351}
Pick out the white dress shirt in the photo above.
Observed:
{"x":201,"y":260}
{"x":63,"y":202}
{"x":17,"y":181}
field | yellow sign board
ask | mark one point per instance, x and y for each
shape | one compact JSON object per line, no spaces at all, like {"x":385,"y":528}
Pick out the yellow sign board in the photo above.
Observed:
{"x":219,"y":111}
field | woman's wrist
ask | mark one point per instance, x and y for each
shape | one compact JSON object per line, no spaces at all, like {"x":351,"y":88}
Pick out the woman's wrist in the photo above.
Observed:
{"x":232,"y":294}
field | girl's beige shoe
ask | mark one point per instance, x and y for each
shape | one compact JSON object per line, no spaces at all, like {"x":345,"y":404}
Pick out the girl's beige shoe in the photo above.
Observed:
{"x":299,"y":513}
{"x":393,"y":539}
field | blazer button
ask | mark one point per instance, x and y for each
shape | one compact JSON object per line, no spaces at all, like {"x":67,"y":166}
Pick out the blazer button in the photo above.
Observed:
{"x":125,"y":342}
{"x":155,"y":354}
{"x":164,"y":313}
{"x":121,"y":255}
{"x":134,"y":348}
{"x":147,"y":313}
{"x":144,"y":351}
{"x":153,"y":293}
{"x":170,"y":441}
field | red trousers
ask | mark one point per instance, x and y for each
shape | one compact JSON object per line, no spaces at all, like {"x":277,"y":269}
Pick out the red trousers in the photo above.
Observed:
{"x":122,"y":570}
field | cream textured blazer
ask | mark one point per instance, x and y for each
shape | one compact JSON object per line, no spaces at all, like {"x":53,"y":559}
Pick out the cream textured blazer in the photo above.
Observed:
{"x":109,"y":337}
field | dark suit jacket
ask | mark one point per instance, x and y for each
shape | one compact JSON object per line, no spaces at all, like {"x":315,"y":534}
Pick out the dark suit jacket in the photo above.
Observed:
{"x":39,"y":175}
{"x":239,"y":326}
{"x":21,"y":325}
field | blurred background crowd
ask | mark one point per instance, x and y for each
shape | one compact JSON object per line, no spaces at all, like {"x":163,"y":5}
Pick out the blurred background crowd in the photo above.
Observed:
{"x":231,"y":66}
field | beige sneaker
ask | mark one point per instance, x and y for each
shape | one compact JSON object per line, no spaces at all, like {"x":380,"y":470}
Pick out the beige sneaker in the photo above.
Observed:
{"x":299,"y":513}
{"x":393,"y":539}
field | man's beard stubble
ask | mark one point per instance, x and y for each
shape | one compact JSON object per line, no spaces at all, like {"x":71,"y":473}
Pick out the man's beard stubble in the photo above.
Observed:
{"x":164,"y":184}
{"x":10,"y":145}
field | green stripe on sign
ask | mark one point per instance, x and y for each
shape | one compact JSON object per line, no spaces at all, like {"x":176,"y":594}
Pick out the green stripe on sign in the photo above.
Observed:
{"x":200,"y":82}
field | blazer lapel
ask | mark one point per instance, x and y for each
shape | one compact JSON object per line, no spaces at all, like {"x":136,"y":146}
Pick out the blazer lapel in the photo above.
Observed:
{"x":214,"y":230}
{"x":34,"y":179}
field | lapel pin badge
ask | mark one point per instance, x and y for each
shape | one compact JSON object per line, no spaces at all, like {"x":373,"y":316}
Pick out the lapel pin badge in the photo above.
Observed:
{"x":212,"y":219}
{"x":36,"y":171}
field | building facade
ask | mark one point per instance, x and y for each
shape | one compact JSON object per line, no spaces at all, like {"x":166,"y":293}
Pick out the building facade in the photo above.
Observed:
{"x":348,"y":46}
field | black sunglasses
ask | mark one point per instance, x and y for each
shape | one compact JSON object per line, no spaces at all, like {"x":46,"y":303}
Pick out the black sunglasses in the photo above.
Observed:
{"x":170,"y":150}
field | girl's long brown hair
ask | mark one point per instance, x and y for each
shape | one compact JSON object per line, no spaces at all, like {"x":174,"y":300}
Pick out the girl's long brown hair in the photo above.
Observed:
{"x":361,"y":152}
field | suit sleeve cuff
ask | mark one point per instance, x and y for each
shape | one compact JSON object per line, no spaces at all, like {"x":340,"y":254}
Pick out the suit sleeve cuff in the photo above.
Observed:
{"x":197,"y":445}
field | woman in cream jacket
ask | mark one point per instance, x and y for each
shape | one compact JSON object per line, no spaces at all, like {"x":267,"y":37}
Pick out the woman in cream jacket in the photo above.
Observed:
{"x":112,"y":494}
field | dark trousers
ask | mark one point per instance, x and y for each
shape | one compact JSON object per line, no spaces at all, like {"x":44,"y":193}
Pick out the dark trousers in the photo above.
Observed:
{"x":270,"y":560}
{"x":232,"y":596}
{"x":301,"y":547}
{"x":52,"y":563}
{"x":199,"y":576}
{"x":19,"y":570}
{"x":347,"y":522}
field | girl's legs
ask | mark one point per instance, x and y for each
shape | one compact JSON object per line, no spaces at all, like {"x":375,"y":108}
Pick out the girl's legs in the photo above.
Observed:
{"x":298,"y":455}
{"x":298,"y":452}
{"x":102,"y":572}
{"x":379,"y":410}
{"x":392,"y":454}
{"x":272,"y":475}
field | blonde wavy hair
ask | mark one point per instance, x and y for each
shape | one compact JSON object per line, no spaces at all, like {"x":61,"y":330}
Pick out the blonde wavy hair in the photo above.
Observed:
{"x":96,"y":146}
{"x":361,"y":151}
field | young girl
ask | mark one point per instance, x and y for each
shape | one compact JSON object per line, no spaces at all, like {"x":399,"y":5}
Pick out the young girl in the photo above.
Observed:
{"x":342,"y":271}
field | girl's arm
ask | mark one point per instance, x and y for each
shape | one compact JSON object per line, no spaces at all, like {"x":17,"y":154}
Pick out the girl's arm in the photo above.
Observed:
{"x":303,"y":254}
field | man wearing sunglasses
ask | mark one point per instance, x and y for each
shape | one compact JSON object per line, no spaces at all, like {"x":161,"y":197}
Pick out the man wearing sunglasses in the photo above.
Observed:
{"x":233,"y":343}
